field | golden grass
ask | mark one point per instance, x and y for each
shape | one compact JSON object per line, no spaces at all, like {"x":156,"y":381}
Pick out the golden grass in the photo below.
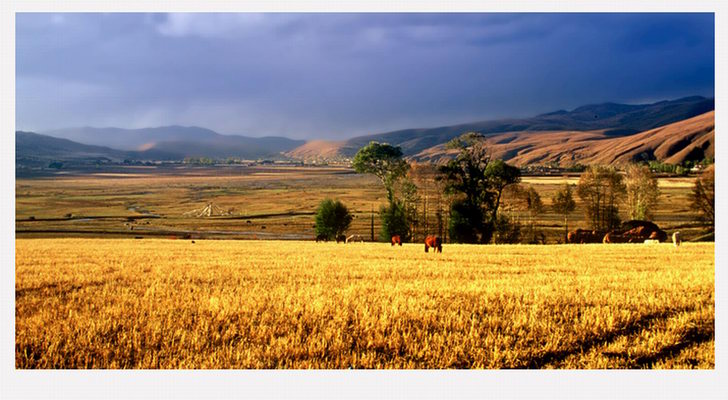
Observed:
{"x":103,"y":303}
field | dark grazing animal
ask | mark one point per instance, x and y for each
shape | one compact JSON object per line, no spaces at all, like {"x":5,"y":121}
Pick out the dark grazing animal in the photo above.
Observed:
{"x":396,"y":239}
{"x":641,"y":230}
{"x":322,"y":238}
{"x":613,"y":237}
{"x":584,"y":236}
{"x":636,"y":231}
{"x":341,"y":239}
{"x":435,"y":242}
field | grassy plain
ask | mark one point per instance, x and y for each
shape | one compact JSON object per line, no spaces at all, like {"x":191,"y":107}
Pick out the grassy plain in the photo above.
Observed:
{"x":159,"y":303}
{"x":266,"y":203}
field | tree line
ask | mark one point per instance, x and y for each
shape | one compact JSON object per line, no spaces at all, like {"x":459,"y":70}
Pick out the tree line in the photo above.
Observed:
{"x":466,"y":195}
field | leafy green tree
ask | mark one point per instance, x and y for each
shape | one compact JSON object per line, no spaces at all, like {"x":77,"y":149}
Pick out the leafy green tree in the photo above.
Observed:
{"x":465,"y":174}
{"x":383,"y":161}
{"x":507,"y":230}
{"x":467,"y":223}
{"x":395,"y":222}
{"x":601,"y":188}
{"x":563,"y":203}
{"x":386,"y":163}
{"x":480,"y":183}
{"x":642,"y":191}
{"x":500,"y":175}
{"x":332,"y":219}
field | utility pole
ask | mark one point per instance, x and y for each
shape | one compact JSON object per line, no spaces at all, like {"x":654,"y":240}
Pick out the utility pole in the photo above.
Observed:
{"x":424,"y":211}
{"x":372,"y":231}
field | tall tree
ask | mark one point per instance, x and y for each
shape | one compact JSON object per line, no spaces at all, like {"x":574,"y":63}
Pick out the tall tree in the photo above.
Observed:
{"x":703,"y":196}
{"x":479,"y":183}
{"x":500,"y":175}
{"x":642,"y":191}
{"x":410,"y":199}
{"x":466,"y":173}
{"x":383,"y":161}
{"x":534,"y":205}
{"x":386,"y":163}
{"x":601,"y":188}
{"x":563,"y":203}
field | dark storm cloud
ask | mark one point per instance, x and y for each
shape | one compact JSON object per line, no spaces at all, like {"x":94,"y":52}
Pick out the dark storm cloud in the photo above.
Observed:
{"x":340,"y":75}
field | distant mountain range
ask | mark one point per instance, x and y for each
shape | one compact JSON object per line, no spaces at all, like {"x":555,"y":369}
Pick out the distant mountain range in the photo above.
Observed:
{"x":607,"y":120}
{"x":30,"y":147}
{"x":177,"y":142}
{"x":673,"y":130}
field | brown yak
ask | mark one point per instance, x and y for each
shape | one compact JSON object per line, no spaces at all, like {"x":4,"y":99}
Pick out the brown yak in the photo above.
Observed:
{"x":613,"y":237}
{"x":636,"y":231}
{"x":396,"y":239}
{"x":435,"y":242}
{"x":641,"y":230}
{"x":584,"y":236}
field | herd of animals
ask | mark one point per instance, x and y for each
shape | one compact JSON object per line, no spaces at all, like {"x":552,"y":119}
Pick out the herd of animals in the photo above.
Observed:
{"x":634,"y":231}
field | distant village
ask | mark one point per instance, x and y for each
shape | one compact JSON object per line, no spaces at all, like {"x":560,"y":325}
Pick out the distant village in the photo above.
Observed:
{"x":551,"y":169}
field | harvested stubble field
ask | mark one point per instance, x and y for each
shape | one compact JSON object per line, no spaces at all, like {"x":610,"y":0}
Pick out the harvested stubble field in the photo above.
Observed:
{"x":153,"y":303}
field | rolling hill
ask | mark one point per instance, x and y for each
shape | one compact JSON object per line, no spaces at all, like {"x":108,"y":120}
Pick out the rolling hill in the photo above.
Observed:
{"x":690,"y":139}
{"x":177,"y":142}
{"x":31,"y":148}
{"x":317,"y":150}
{"x":36,"y":149}
{"x":608,"y":119}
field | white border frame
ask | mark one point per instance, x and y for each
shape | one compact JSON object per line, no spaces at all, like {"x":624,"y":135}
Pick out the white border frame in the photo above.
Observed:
{"x":348,"y":384}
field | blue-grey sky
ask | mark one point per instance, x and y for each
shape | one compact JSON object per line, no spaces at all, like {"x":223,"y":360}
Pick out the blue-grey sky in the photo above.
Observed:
{"x":334,"y":76}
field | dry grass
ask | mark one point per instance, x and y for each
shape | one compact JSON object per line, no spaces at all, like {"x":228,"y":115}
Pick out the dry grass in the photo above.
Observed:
{"x":233,"y":304}
{"x":283,"y":197}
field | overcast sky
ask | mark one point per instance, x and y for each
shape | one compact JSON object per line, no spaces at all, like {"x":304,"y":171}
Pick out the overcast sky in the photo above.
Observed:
{"x":334,"y":76}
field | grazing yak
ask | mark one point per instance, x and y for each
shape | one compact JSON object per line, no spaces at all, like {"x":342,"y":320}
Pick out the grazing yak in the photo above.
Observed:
{"x":636,"y":231}
{"x":613,"y":237}
{"x":322,"y":238}
{"x":676,"y":239}
{"x":354,"y":238}
{"x":435,"y":242}
{"x":396,"y":239}
{"x":582,"y":236}
{"x":644,"y":229}
{"x":340,"y":238}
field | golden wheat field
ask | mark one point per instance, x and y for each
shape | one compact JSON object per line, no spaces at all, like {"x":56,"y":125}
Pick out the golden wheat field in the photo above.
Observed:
{"x":154,"y":303}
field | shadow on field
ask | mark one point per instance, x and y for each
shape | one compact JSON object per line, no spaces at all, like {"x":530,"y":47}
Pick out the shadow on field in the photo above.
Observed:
{"x":56,"y":289}
{"x":691,"y":337}
{"x":694,"y":335}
